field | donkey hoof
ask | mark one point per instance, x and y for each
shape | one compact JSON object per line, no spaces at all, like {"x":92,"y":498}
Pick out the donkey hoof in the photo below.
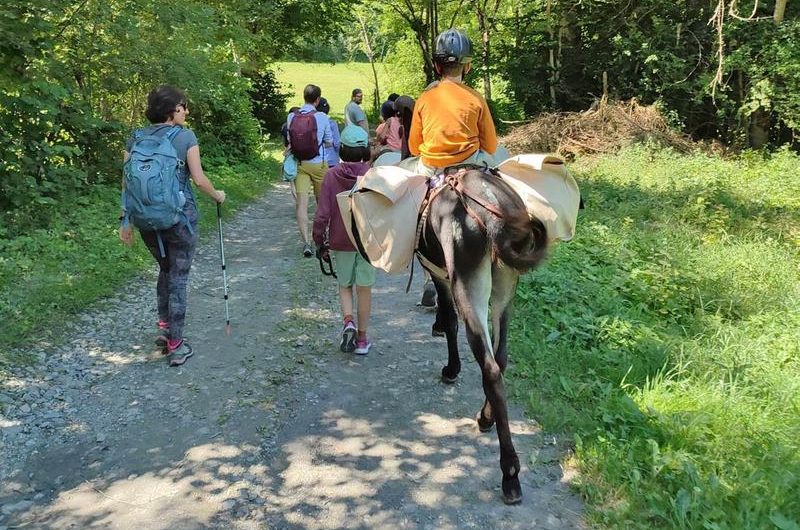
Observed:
{"x":512,"y":491}
{"x":437,"y":330}
{"x":449,"y":376}
{"x":484,"y":425}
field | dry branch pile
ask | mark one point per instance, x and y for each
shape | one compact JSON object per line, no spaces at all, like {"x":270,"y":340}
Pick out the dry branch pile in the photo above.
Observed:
{"x":605,"y":128}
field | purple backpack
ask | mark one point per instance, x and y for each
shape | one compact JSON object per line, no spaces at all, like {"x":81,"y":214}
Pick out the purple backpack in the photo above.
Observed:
{"x":303,"y":136}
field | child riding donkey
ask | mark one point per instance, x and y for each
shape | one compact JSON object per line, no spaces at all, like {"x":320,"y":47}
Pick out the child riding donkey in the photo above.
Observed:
{"x":475,"y":235}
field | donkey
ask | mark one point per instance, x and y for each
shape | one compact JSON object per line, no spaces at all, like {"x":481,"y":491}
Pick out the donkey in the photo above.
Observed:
{"x":475,"y":238}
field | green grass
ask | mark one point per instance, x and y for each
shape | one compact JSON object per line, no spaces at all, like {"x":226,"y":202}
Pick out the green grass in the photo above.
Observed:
{"x":337,"y":82}
{"x":665,"y":339}
{"x":50,"y":274}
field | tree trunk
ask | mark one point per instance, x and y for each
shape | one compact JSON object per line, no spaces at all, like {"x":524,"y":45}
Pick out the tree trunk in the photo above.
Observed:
{"x":552,"y":53}
{"x":759,"y":128}
{"x":376,"y":94}
{"x":780,"y":8}
{"x":424,"y":24}
{"x":483,"y":26}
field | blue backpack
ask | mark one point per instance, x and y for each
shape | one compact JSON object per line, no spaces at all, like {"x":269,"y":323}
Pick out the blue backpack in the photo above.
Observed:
{"x":153,"y":197}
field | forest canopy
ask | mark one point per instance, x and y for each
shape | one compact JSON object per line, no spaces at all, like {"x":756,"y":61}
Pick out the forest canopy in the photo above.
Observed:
{"x":74,"y":73}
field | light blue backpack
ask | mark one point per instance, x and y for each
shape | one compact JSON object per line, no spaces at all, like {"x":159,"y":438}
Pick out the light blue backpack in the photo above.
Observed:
{"x":153,"y":197}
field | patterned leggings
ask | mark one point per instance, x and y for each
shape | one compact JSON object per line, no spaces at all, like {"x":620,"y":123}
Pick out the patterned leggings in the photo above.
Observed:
{"x":173,"y":274}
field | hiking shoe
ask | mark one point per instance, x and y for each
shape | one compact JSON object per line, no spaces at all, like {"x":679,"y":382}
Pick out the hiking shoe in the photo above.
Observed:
{"x":179,"y":355}
{"x":307,"y":252}
{"x":428,"y":295}
{"x":362,"y":347}
{"x":348,"y":343}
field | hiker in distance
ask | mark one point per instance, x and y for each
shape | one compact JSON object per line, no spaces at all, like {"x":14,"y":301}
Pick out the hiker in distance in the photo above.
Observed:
{"x":331,"y":155}
{"x":389,"y":133}
{"x":354,"y":274}
{"x":166,"y":152}
{"x":310,"y":137}
{"x":353,"y":113}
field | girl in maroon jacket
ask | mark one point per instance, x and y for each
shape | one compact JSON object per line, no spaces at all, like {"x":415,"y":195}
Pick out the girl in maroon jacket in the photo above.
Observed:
{"x":351,"y":268}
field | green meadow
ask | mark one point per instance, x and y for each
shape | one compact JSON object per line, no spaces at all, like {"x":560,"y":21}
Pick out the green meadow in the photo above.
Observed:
{"x":337,"y":82}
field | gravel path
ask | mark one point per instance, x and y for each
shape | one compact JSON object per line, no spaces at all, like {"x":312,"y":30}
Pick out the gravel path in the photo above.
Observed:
{"x":272,"y":427}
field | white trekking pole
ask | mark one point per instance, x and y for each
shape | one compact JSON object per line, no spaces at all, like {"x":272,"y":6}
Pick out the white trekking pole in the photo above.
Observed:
{"x":224,"y":273}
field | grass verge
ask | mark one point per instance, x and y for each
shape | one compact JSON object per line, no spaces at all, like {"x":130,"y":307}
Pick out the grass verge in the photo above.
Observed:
{"x":666,"y":340}
{"x":50,"y":274}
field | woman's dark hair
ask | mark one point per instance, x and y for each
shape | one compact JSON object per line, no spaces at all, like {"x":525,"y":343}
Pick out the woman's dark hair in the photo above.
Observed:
{"x":387,"y":110}
{"x":161,"y":103}
{"x":393,"y":96}
{"x":354,"y":154}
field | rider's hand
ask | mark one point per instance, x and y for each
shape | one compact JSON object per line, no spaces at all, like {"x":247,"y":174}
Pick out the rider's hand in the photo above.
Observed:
{"x":220,"y":196}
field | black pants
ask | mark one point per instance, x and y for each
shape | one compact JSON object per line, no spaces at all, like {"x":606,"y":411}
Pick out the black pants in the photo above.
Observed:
{"x":179,"y":244}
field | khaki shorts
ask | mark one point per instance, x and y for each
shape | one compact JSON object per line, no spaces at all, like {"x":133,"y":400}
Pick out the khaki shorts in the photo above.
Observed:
{"x":353,"y":269}
{"x":308,"y":175}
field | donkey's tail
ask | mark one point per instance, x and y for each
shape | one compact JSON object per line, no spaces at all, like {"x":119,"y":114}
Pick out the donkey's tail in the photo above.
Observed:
{"x":517,"y":240}
{"x":521,"y":242}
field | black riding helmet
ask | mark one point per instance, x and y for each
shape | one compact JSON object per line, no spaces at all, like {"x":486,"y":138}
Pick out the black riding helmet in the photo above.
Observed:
{"x":452,"y":46}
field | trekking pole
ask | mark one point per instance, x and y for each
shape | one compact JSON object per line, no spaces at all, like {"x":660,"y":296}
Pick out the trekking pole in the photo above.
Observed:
{"x":224,"y":274}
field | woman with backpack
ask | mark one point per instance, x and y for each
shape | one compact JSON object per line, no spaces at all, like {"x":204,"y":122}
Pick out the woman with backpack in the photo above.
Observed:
{"x":167,"y":152}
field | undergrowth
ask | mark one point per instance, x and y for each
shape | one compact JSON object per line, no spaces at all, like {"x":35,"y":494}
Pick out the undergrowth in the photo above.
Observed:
{"x":665,"y":340}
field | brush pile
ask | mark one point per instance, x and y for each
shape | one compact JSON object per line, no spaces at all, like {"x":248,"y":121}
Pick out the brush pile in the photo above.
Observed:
{"x":605,"y":128}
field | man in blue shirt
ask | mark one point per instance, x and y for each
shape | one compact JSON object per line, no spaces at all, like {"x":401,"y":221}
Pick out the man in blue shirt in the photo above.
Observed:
{"x":353,"y":113}
{"x":310,"y":172}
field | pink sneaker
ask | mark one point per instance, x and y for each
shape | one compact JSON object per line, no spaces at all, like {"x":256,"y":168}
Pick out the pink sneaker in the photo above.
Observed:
{"x":362,"y":347}
{"x":348,"y":343}
{"x":162,"y":336}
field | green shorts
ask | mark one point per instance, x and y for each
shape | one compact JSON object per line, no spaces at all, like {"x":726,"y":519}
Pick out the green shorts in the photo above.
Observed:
{"x":353,"y":269}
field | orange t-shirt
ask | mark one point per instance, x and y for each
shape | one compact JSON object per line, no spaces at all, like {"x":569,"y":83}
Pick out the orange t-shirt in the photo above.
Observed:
{"x":451,"y":121}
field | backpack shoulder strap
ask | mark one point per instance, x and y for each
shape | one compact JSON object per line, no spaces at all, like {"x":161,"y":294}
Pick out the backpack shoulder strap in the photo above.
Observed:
{"x":173,"y":132}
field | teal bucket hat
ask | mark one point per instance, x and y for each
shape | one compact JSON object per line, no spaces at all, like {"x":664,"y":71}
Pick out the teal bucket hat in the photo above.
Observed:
{"x":354,"y":136}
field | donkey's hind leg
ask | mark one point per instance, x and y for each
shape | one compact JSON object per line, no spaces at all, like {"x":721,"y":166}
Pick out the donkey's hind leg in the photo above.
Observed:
{"x":471,"y":290}
{"x":447,"y":320}
{"x":504,"y":283}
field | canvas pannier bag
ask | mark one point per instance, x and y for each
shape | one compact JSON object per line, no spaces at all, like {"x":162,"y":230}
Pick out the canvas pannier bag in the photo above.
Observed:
{"x":380,"y":215}
{"x":548,"y":190}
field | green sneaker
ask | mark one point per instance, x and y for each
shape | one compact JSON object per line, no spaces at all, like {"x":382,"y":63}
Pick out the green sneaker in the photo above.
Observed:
{"x":179,"y":355}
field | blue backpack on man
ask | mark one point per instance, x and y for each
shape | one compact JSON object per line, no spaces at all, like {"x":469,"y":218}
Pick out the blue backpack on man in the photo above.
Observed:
{"x":153,"y":197}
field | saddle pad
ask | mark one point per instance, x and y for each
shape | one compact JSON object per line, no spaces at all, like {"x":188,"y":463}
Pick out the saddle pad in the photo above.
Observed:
{"x":550,"y":193}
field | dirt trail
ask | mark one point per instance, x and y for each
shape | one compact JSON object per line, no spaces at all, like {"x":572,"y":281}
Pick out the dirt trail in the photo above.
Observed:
{"x":272,"y":427}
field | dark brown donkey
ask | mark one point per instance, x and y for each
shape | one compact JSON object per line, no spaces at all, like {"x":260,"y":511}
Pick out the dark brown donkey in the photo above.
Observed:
{"x":476,"y":238}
